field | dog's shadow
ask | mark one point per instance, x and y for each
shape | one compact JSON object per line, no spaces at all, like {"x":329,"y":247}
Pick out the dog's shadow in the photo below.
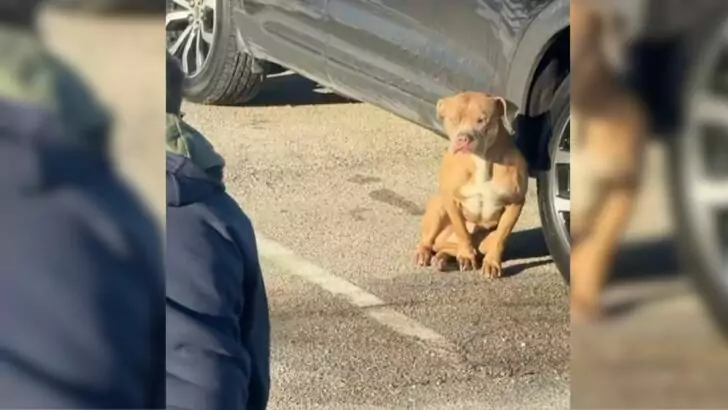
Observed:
{"x":525,"y":244}
{"x":653,"y":260}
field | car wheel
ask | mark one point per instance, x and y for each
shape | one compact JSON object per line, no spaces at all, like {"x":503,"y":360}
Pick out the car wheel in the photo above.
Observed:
{"x":700,"y":176}
{"x":554,"y":194}
{"x":201,"y":33}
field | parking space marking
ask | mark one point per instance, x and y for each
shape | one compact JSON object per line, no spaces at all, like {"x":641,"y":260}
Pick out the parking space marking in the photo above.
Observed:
{"x":370,"y":305}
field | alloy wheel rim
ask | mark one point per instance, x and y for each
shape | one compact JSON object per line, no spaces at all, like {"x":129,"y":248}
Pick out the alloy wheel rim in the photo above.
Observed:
{"x":191,"y":28}
{"x":560,"y":185}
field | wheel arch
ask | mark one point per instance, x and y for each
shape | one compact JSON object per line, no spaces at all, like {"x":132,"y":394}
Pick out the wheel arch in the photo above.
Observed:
{"x":535,"y":72}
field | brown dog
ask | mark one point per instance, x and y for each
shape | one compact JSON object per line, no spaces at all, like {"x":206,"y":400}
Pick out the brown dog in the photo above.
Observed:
{"x":607,"y":145}
{"x":482,"y":185}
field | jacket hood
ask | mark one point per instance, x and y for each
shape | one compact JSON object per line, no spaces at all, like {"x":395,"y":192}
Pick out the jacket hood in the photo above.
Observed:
{"x":187,"y":183}
{"x":31,"y":75}
{"x":52,"y":130}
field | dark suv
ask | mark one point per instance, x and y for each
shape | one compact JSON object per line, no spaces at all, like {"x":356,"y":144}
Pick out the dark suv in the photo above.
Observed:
{"x":402,"y":56}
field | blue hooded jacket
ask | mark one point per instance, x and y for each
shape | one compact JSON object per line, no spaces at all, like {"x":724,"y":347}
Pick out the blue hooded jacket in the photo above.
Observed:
{"x":81,"y":275}
{"x":217,"y":312}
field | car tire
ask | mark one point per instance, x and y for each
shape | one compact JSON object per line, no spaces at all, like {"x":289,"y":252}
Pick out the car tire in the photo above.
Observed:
{"x":701,"y":214}
{"x":705,"y":276}
{"x":228,"y":76}
{"x":553,"y":193}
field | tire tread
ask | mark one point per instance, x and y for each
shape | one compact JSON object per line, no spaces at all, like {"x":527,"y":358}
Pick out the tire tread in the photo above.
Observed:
{"x":235,"y":84}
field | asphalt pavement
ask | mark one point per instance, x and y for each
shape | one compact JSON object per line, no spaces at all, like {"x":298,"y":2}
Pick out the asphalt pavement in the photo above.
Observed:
{"x":335,"y":190}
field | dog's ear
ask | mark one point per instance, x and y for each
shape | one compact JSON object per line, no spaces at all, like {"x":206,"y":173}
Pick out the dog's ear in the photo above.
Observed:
{"x":508,"y":113}
{"x":440,"y":109}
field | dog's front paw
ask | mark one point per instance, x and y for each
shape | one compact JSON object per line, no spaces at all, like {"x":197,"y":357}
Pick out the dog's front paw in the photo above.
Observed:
{"x":466,"y":258}
{"x":423,"y":255}
{"x":492,"y":268}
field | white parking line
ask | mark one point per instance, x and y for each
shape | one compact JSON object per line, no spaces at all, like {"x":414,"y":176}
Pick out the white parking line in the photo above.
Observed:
{"x":371,"y":305}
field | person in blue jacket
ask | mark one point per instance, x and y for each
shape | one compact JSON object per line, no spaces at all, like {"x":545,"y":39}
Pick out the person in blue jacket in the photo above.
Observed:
{"x":81,"y":274}
{"x":218,"y":331}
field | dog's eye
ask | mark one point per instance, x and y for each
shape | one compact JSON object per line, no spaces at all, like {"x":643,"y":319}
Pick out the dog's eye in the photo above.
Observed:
{"x":482,"y":120}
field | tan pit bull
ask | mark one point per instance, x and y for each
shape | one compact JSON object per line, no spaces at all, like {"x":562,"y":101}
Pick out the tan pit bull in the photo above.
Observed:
{"x":482,"y":186}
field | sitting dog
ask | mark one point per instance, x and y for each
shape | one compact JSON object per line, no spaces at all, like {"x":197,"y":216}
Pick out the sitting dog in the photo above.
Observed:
{"x":482,"y":186}
{"x":607,"y":145}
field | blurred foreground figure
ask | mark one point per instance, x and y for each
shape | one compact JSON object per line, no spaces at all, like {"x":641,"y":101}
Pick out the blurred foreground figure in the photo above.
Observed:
{"x":81,"y":285}
{"x":217,"y":311}
{"x":665,"y":63}
{"x":607,"y":146}
{"x":642,"y":69}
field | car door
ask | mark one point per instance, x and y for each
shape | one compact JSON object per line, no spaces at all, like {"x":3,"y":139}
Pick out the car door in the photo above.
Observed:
{"x":405,"y":54}
{"x":289,"y":32}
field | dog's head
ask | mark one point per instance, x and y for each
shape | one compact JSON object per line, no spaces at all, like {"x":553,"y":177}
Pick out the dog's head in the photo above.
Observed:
{"x":473,"y":120}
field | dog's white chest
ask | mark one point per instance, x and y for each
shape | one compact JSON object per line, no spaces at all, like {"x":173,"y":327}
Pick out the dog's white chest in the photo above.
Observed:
{"x":481,"y":199}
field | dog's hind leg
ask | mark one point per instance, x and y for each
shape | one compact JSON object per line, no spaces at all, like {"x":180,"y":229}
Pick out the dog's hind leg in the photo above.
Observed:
{"x":444,"y":256}
{"x":433,"y":222}
{"x":445,"y":248}
{"x":447,"y":244}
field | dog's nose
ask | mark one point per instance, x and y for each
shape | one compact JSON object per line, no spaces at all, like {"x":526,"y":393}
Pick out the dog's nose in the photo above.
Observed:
{"x":462,"y":139}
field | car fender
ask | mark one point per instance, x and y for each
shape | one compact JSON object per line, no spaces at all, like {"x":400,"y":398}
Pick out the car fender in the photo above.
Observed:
{"x":533,"y":130}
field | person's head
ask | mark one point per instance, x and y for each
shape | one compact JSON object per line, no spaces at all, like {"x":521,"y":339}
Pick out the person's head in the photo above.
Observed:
{"x":175,"y":78}
{"x":19,"y":12}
